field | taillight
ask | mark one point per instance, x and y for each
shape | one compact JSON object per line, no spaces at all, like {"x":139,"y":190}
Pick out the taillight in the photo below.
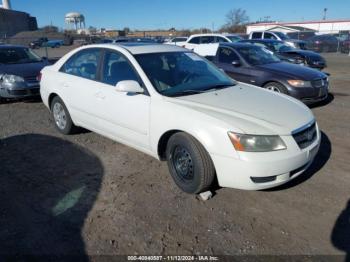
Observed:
{"x":38,"y":77}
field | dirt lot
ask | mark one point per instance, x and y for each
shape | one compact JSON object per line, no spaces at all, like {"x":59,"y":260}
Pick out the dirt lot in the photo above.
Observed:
{"x":85,"y":194}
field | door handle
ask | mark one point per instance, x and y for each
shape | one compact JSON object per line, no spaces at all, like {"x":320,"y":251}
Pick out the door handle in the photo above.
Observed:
{"x":64,"y":84}
{"x":100,"y":95}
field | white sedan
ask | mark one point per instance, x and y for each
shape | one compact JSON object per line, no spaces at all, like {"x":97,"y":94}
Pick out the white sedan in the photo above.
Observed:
{"x":176,"y":106}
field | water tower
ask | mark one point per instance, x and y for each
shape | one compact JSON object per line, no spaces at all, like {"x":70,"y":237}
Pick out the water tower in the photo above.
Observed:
{"x":74,"y":21}
{"x":6,"y":4}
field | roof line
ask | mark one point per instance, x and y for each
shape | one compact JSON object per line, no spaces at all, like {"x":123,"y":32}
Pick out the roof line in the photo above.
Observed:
{"x":303,"y":22}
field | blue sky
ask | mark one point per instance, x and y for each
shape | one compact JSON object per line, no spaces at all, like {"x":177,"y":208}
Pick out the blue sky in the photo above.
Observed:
{"x":164,"y":14}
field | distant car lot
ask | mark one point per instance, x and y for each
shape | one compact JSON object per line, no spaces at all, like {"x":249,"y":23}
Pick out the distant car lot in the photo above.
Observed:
{"x":137,"y":188}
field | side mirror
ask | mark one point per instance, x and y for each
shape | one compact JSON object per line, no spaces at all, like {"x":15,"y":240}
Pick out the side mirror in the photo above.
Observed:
{"x":236,"y":63}
{"x":44,"y":58}
{"x":129,"y":86}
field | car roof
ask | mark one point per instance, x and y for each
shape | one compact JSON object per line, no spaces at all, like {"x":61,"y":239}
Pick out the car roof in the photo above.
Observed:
{"x":236,"y":44}
{"x":263,"y":40}
{"x":144,"y":48}
{"x":208,"y":34}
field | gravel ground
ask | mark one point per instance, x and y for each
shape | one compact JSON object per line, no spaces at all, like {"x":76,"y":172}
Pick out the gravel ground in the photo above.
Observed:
{"x":85,"y":194}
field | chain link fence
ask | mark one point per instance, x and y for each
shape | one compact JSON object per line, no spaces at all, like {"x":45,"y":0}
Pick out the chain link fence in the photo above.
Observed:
{"x":49,"y":46}
{"x":324,"y":41}
{"x":55,"y":46}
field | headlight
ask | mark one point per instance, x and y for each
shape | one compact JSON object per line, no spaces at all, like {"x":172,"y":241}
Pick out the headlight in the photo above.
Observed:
{"x":256,"y":143}
{"x":299,"y":83}
{"x":11,"y":79}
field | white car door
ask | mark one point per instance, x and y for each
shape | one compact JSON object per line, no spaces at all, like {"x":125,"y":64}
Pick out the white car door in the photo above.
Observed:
{"x":122,"y":115}
{"x":79,"y":87}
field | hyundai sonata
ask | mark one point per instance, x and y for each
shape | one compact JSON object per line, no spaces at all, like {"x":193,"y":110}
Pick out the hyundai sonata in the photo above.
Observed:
{"x":176,"y":106}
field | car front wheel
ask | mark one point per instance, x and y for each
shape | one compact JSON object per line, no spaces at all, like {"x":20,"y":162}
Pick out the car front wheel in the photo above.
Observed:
{"x":276,"y":87}
{"x":189,"y":163}
{"x":61,"y":117}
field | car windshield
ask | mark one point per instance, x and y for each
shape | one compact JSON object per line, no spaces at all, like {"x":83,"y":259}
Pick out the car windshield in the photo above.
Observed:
{"x":182,"y":73}
{"x":18,"y":55}
{"x":282,"y":36}
{"x":256,"y":55}
{"x":281,"y":47}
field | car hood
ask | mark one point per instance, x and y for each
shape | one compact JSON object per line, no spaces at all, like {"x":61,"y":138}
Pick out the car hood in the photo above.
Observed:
{"x":250,"y":109}
{"x":292,"y":71}
{"x":23,"y":70}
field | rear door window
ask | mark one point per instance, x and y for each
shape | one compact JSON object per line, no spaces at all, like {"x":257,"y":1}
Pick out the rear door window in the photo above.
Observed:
{"x":257,"y":35}
{"x":195,"y":40}
{"x":207,"y":39}
{"x":83,"y":64}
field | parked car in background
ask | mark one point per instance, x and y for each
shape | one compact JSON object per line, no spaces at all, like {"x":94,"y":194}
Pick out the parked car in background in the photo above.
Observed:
{"x":53,"y":43}
{"x":278,"y":36}
{"x":44,"y":42}
{"x":134,"y":39}
{"x":179,"y":40}
{"x":19,"y":72}
{"x":345,"y":45}
{"x":323,"y":43}
{"x":176,"y":106}
{"x":258,"y":66}
{"x":290,"y":54}
{"x":38,"y":43}
{"x":301,"y":35}
{"x":199,"y":39}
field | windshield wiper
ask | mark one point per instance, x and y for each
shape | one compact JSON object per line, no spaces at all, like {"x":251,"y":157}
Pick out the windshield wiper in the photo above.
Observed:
{"x":187,"y":92}
{"x":218,"y":87}
{"x":200,"y":91}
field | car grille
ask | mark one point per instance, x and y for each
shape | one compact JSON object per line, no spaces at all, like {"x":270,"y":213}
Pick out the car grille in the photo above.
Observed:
{"x":25,"y":92}
{"x":31,"y":79}
{"x":306,"y":136}
{"x":318,"y":83}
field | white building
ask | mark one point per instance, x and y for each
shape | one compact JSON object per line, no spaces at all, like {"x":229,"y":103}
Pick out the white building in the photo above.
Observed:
{"x":323,"y":26}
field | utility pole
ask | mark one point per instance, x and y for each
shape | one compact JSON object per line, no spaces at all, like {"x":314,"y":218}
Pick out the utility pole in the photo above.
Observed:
{"x":325,"y":13}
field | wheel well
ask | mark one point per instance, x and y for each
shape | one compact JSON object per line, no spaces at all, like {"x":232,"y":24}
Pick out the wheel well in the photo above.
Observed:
{"x":51,"y":97}
{"x":268,"y":82}
{"x":163,"y":141}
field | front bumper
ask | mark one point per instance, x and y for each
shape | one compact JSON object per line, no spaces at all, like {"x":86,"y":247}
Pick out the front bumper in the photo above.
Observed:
{"x":309,"y":95}
{"x":19,"y":93}
{"x":257,"y":171}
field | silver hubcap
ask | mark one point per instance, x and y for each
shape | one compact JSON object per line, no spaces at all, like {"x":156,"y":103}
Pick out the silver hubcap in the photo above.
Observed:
{"x":59,"y":115}
{"x":274,"y":89}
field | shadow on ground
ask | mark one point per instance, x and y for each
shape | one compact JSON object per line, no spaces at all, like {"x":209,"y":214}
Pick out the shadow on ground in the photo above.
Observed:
{"x":48,"y":186}
{"x":325,"y":102}
{"x":341,"y":232}
{"x":321,"y":159}
{"x":35,"y":99}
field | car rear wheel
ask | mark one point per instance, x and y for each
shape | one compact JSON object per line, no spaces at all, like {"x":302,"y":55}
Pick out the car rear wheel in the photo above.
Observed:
{"x":189,"y":163}
{"x":276,"y":87}
{"x":61,"y":117}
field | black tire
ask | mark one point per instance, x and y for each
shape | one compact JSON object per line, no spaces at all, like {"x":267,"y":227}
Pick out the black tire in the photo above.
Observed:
{"x":200,"y":171}
{"x":69,"y":127}
{"x":275,"y":85}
